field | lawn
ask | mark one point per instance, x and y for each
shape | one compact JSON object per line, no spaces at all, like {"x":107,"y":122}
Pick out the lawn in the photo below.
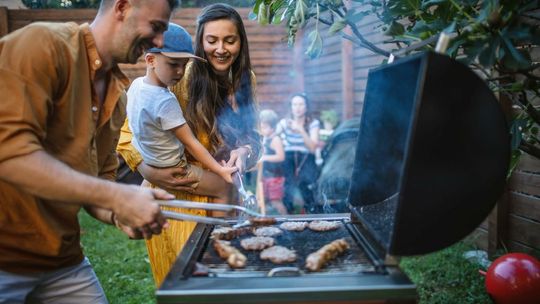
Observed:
{"x":123,"y":269}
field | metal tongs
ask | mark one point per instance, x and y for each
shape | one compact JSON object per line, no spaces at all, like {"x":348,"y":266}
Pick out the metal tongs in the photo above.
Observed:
{"x":204,"y":206}
{"x":248,"y":200}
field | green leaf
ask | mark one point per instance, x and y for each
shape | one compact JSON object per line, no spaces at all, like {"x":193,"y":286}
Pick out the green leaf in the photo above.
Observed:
{"x":514,"y":59}
{"x":314,"y":49}
{"x":395,"y":29}
{"x":430,"y":3}
{"x":337,"y":26}
{"x":262,"y":16}
{"x":488,"y":56}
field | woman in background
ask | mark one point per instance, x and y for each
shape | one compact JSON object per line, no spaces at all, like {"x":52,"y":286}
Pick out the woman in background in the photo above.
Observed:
{"x":300,"y":134}
{"x":218,"y":102}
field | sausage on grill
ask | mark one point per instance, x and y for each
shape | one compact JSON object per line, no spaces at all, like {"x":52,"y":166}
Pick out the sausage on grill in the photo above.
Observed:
{"x":316,"y":260}
{"x":234,"y":257}
{"x":262,"y":221}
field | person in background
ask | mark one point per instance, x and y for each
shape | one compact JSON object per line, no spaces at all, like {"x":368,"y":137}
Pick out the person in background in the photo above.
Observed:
{"x":219,"y":105}
{"x":330,"y":120}
{"x":272,"y":161}
{"x":63,"y":102}
{"x":160,"y":131}
{"x":300,"y":134}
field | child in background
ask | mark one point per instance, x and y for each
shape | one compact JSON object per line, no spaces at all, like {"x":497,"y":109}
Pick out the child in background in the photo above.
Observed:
{"x":160,"y":131}
{"x":272,"y":159}
{"x":330,"y":120}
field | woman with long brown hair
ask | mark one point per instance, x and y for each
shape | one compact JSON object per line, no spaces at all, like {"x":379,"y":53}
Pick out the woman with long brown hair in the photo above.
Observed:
{"x":218,"y":102}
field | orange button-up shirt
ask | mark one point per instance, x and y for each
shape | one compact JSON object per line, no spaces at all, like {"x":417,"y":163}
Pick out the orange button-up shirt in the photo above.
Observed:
{"x":47,"y":102}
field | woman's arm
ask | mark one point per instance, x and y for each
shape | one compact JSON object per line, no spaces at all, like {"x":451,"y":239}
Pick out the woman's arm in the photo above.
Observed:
{"x":311,"y":139}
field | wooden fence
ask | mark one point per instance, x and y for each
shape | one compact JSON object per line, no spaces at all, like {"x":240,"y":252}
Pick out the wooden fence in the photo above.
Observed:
{"x":336,"y":80}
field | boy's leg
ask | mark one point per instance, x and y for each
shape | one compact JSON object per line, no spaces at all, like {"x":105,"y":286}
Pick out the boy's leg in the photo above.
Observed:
{"x":213,"y":185}
{"x":209,"y":184}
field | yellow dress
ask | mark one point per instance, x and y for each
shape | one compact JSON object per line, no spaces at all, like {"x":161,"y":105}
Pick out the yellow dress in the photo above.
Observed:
{"x":164,"y":248}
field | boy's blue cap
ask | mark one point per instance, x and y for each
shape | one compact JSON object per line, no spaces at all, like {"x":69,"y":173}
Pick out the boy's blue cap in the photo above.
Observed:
{"x":176,"y":43}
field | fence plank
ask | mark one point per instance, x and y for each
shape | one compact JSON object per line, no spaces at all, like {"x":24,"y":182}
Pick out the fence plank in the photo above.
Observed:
{"x":525,"y":182}
{"x":529,"y":163}
{"x":519,"y":247}
{"x":4,"y":21}
{"x":525,"y":205}
{"x":524,"y":230}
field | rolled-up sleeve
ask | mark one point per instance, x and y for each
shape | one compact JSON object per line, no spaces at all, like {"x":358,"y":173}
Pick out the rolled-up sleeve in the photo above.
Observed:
{"x":28,"y":77}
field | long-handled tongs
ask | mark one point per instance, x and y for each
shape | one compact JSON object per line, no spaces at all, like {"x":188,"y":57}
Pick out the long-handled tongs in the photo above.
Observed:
{"x":204,"y":206}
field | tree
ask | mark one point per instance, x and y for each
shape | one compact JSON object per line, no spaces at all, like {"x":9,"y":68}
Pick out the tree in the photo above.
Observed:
{"x":495,"y":37}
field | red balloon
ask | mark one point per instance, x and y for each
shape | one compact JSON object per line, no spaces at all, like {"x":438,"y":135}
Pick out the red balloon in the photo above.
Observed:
{"x":514,"y":278}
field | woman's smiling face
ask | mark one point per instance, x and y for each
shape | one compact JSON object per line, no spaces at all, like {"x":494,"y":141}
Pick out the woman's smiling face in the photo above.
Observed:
{"x":221,"y":44}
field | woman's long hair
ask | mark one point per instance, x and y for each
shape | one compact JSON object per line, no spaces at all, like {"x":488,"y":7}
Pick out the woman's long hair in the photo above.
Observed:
{"x":208,"y":108}
{"x":309,"y":115}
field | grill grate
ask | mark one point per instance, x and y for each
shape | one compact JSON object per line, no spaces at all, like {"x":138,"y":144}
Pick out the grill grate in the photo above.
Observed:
{"x":304,"y":243}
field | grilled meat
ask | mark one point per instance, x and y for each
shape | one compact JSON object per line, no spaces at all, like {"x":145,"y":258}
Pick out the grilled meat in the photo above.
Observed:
{"x":257,"y":243}
{"x":316,"y":260}
{"x":293,"y":226}
{"x":234,"y":257}
{"x":278,"y":255}
{"x":262,"y":221}
{"x":267,"y":231}
{"x":324,"y":225}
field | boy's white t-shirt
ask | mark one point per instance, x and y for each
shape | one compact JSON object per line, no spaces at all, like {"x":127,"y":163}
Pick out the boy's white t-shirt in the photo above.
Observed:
{"x":152,"y":112}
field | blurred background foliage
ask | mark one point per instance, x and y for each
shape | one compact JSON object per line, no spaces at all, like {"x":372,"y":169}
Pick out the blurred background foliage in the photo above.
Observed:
{"x":37,"y":4}
{"x":499,"y":39}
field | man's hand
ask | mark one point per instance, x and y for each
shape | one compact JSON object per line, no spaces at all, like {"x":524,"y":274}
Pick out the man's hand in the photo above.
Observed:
{"x":166,"y":178}
{"x":137,"y":208}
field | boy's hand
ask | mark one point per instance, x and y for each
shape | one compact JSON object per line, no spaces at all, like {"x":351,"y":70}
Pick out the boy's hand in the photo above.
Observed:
{"x":226,"y":173}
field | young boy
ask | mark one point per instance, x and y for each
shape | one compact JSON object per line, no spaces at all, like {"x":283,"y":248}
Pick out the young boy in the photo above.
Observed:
{"x":272,"y":159}
{"x":160,"y":131}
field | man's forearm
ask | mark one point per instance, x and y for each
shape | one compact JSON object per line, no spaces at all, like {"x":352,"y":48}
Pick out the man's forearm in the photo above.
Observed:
{"x":44,"y":176}
{"x":103,"y":215}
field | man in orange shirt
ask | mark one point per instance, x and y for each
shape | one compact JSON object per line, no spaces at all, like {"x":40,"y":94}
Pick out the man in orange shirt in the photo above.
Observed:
{"x":62,"y":106}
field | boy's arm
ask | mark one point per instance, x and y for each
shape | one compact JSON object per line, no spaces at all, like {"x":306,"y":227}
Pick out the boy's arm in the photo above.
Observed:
{"x":195,"y":148}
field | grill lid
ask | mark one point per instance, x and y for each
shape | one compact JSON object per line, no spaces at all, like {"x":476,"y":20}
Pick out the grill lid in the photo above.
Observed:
{"x":432,"y":154}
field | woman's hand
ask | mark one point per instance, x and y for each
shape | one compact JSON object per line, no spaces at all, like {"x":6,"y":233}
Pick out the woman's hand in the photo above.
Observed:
{"x":238,"y":158}
{"x":166,"y":178}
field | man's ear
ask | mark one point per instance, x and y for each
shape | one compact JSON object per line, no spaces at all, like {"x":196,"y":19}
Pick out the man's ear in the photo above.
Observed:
{"x":121,"y":8}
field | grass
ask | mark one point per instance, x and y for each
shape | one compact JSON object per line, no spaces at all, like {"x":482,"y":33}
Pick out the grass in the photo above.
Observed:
{"x":121,"y":264}
{"x":446,"y":277}
{"x":124,"y":271}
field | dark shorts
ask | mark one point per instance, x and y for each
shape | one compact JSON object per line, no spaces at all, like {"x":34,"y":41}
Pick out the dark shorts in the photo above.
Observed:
{"x":273,"y":187}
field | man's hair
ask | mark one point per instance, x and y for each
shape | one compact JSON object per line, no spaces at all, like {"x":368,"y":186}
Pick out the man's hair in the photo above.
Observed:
{"x":268,"y":117}
{"x":106,"y":4}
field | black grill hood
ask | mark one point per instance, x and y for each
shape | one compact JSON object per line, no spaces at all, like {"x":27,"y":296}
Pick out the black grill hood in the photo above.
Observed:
{"x":432,"y":154}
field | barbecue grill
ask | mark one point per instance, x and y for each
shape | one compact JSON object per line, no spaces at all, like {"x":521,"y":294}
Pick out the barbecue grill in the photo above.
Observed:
{"x":430,"y":163}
